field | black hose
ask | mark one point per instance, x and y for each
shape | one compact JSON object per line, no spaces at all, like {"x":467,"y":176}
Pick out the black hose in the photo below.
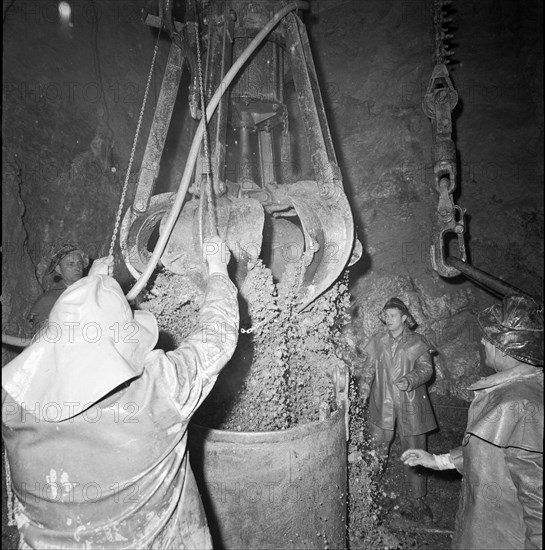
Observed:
{"x":482,"y":277}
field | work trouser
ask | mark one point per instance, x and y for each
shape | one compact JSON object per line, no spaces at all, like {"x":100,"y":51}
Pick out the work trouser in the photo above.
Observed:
{"x":415,"y":478}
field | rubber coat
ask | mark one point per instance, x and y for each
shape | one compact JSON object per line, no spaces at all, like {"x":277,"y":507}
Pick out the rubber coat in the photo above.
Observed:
{"x":501,"y":459}
{"x":387,"y":403}
{"x":118,"y":475}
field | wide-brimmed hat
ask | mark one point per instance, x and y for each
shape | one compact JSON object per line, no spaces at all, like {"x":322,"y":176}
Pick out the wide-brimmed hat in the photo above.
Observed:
{"x":396,"y":303}
{"x":92,"y":343}
{"x":515,"y":327}
{"x":64,"y":251}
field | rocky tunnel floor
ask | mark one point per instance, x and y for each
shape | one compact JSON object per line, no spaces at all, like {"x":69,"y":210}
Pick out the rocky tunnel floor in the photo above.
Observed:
{"x":375,"y":518}
{"x":443,"y":487}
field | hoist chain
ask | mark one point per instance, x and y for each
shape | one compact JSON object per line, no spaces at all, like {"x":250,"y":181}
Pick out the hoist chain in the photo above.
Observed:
{"x":266,"y":321}
{"x":135,"y":141}
{"x":439,"y":100}
{"x":206,"y":146}
{"x":207,"y":189}
{"x":442,"y":35}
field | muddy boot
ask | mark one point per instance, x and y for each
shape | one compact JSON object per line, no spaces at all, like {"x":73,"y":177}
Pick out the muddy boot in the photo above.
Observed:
{"x":422,"y":510}
{"x":416,"y":510}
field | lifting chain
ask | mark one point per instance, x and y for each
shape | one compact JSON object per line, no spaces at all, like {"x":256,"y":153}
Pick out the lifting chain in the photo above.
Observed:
{"x":439,"y":100}
{"x":266,"y":321}
{"x":442,"y":36}
{"x":135,"y":141}
{"x":206,"y":189}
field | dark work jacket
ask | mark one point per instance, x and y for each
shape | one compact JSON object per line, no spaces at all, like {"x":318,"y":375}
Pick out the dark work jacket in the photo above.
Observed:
{"x":501,"y":459}
{"x":388,"y":405}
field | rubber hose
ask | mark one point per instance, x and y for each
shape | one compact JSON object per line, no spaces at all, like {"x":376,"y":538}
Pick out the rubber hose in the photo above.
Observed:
{"x":482,"y":277}
{"x":15,"y":341}
{"x":193,"y":153}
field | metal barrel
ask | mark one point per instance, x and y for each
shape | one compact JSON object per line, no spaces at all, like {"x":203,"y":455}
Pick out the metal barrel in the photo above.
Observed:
{"x":282,"y":489}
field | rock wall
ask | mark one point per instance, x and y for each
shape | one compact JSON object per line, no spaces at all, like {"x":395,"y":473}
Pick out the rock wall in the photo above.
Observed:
{"x":16,"y":258}
{"x":72,"y":93}
{"x":375,"y":61}
{"x":72,"y":97}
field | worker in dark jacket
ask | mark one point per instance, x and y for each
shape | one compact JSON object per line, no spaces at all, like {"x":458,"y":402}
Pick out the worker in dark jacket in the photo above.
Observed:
{"x":95,"y":420}
{"x":399,"y":399}
{"x":501,"y":457}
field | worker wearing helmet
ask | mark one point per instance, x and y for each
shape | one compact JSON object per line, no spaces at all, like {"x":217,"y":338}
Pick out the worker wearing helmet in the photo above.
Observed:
{"x":501,"y":457}
{"x":66,"y":267}
{"x":398,"y":400}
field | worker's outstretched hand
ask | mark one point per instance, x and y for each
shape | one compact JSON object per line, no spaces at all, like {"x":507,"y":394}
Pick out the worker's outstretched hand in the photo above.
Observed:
{"x":419,"y":457}
{"x":102,"y":266}
{"x":216,"y":254}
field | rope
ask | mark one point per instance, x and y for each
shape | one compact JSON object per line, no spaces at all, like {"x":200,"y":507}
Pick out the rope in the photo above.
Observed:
{"x":131,"y":159}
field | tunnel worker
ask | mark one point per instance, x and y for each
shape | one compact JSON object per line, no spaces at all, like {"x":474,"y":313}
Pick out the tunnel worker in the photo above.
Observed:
{"x":95,"y":420}
{"x":501,"y":457}
{"x":66,"y":267}
{"x":399,"y":400}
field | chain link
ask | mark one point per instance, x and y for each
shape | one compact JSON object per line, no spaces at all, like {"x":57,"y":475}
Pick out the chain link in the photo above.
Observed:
{"x":131,"y":159}
{"x":208,"y":189}
{"x":208,"y":163}
{"x":442,"y":36}
{"x":439,"y":100}
{"x":259,"y":325}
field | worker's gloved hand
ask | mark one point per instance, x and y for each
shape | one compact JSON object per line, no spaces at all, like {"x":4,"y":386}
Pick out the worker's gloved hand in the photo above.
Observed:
{"x":402,"y":383}
{"x":216,"y":254}
{"x":102,"y":266}
{"x":419,"y":457}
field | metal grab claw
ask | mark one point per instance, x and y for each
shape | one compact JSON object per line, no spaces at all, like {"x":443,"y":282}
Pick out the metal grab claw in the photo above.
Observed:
{"x":317,"y":209}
